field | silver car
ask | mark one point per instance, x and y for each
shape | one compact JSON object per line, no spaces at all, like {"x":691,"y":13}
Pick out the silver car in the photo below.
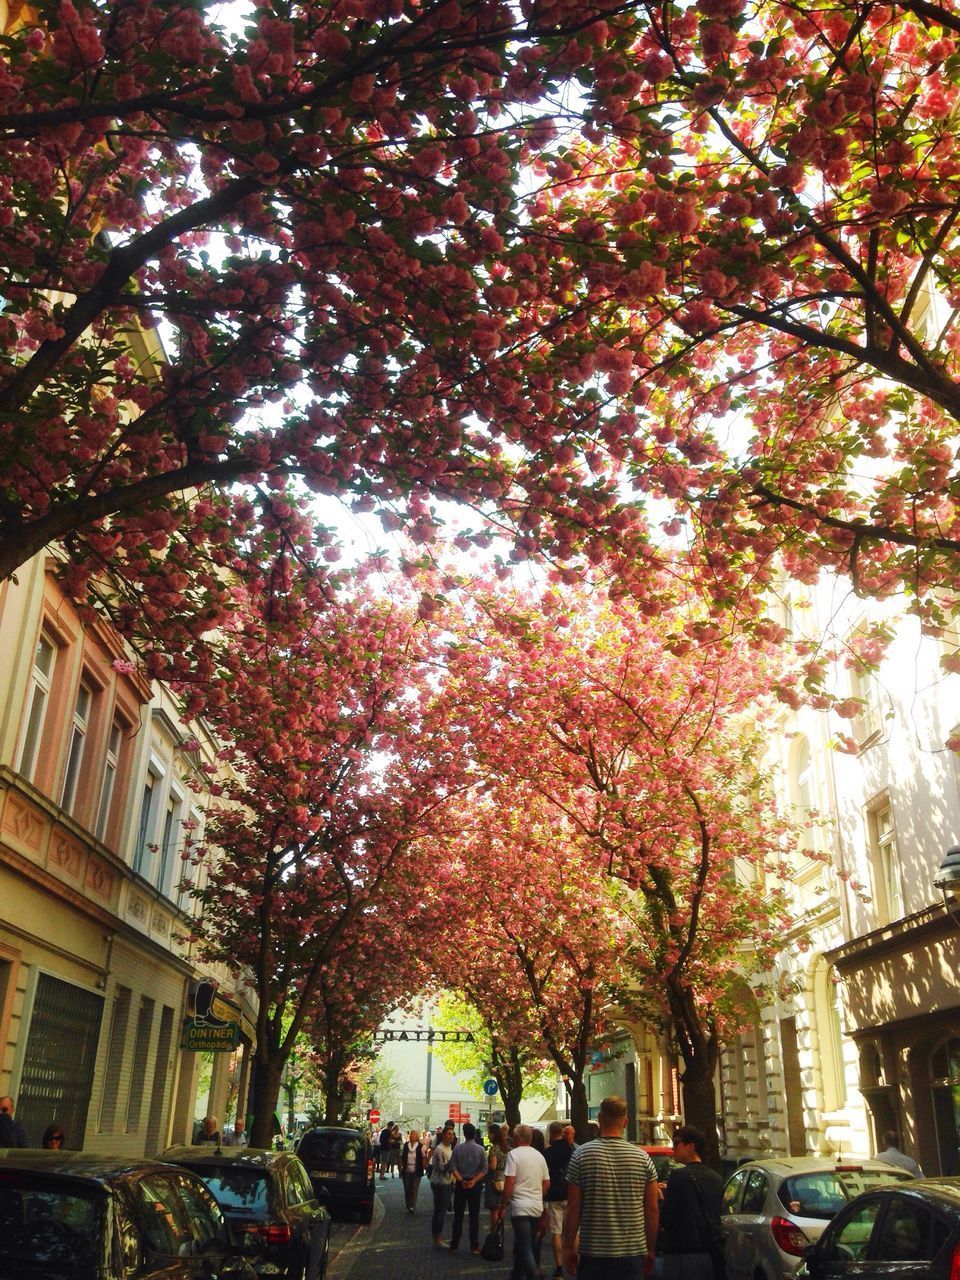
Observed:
{"x":772,"y":1209}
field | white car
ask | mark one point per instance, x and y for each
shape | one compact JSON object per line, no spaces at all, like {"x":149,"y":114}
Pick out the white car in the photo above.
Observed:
{"x":773,"y":1209}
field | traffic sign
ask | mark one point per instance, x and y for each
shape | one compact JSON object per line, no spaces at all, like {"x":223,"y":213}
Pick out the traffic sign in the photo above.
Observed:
{"x":454,"y":1110}
{"x":373,"y":1115}
{"x":490,"y":1087}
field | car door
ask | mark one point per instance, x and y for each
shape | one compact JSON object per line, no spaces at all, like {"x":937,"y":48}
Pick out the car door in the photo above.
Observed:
{"x":910,"y":1234}
{"x":313,"y":1221}
{"x":730,"y":1222}
{"x":842,"y":1252}
{"x":168,"y":1247}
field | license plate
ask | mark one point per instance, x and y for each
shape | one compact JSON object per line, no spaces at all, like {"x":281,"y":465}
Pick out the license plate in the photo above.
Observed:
{"x":323,"y":1173}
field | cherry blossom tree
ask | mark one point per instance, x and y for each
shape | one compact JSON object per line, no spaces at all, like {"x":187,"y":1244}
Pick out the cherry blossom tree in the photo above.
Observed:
{"x":376,"y":966}
{"x":335,"y":772}
{"x":733,"y":289}
{"x":501,"y":1049}
{"x":541,"y":960}
{"x":761,"y":220}
{"x":645,"y":751}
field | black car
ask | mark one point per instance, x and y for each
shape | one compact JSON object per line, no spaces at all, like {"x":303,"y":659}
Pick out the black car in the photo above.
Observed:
{"x":908,"y":1230}
{"x":65,"y":1216}
{"x":340,"y":1164}
{"x":269,"y":1205}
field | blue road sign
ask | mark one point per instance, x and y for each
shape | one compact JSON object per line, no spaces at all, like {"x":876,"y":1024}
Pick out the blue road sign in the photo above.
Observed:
{"x":490,"y":1087}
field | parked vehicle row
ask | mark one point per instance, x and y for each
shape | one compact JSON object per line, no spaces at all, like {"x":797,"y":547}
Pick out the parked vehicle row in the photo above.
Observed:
{"x":194,"y":1214}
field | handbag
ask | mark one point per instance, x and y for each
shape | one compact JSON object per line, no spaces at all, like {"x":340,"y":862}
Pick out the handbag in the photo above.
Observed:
{"x":492,"y":1247}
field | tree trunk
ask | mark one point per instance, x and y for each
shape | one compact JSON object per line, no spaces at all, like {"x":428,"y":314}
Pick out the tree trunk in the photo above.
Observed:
{"x":509,"y":1076}
{"x":267,"y":1073}
{"x":700,"y":1101}
{"x":579,"y":1110}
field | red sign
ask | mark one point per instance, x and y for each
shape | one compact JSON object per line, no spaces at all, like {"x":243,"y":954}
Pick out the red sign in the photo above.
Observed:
{"x":464,"y":1117}
{"x":455,"y":1111}
{"x":373,"y":1116}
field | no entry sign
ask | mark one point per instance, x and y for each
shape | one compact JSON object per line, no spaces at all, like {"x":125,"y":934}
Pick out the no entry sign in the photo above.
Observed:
{"x":373,"y":1116}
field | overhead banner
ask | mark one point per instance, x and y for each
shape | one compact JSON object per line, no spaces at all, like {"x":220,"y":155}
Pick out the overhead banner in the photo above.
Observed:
{"x":422,"y":1035}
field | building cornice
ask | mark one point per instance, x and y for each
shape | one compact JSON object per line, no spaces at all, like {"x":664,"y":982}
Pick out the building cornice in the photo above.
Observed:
{"x":929,"y":923}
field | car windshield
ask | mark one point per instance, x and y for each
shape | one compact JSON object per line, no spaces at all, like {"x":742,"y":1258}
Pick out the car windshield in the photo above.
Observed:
{"x":822,"y":1195}
{"x":337,"y":1148}
{"x":46,"y":1229}
{"x":235,"y":1189}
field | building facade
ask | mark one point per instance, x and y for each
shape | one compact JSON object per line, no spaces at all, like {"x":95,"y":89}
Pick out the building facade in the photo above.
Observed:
{"x":101,"y":790}
{"x":863,"y":1034}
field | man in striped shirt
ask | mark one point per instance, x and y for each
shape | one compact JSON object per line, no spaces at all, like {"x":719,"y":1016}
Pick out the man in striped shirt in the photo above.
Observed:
{"x":612,"y":1202}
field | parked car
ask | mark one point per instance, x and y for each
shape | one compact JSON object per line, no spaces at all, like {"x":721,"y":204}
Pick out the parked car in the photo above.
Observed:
{"x":773,"y":1209}
{"x":66,"y":1216}
{"x":340,"y":1164}
{"x":910,"y":1230}
{"x":269,"y":1205}
{"x":663,"y":1161}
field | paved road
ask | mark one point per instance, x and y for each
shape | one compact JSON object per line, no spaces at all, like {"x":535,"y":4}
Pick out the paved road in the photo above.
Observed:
{"x":398,"y":1246}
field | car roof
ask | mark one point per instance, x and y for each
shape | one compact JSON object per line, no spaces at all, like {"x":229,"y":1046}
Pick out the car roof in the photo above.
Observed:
{"x":946,"y":1190}
{"x":74,"y":1164}
{"x":335,"y":1128}
{"x":208,"y":1154}
{"x":791,"y":1166}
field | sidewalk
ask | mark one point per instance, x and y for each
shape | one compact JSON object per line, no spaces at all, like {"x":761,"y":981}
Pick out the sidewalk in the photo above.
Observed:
{"x":398,"y":1246}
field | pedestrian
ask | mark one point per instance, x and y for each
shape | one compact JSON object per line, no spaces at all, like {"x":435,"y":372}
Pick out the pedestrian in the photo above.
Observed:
{"x":53,"y":1138}
{"x":383,"y":1150}
{"x":12,"y":1132}
{"x":411,"y":1169}
{"x":612,"y":1204}
{"x":691,"y":1238}
{"x":496,"y":1172}
{"x":396,"y":1144}
{"x":440,"y":1182}
{"x":468,"y":1165}
{"x":209,"y":1130}
{"x":893,"y":1155}
{"x":526,"y":1182}
{"x":557,"y":1156}
{"x":537,"y":1140}
{"x":570,"y":1134}
{"x":235,"y":1137}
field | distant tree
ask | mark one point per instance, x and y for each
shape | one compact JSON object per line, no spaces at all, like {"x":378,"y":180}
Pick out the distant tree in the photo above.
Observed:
{"x":603,"y":731}
{"x":497,"y":1053}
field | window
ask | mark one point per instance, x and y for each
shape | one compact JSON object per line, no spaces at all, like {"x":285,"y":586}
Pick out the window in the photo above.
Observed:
{"x":884,"y":861}
{"x":111,"y":765}
{"x":848,"y":1240}
{"x":732,"y":1190}
{"x":755,"y":1195}
{"x":909,"y":1233}
{"x":115,"y":1048}
{"x":865,"y":687}
{"x":169,"y":841}
{"x":141,"y":855}
{"x":141,"y":1058}
{"x":161,"y":1074}
{"x":78,"y":738}
{"x":39,"y":696}
{"x":830,"y":1030}
{"x":60,"y":1057}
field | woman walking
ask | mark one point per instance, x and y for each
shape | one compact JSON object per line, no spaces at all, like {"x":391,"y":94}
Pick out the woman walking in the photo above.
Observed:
{"x":411,"y":1169}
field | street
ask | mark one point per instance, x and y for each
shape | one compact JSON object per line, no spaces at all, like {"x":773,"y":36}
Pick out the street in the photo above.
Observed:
{"x":397,"y":1245}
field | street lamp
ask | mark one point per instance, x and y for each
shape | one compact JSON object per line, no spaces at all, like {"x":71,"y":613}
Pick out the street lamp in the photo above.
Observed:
{"x":947,"y":880}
